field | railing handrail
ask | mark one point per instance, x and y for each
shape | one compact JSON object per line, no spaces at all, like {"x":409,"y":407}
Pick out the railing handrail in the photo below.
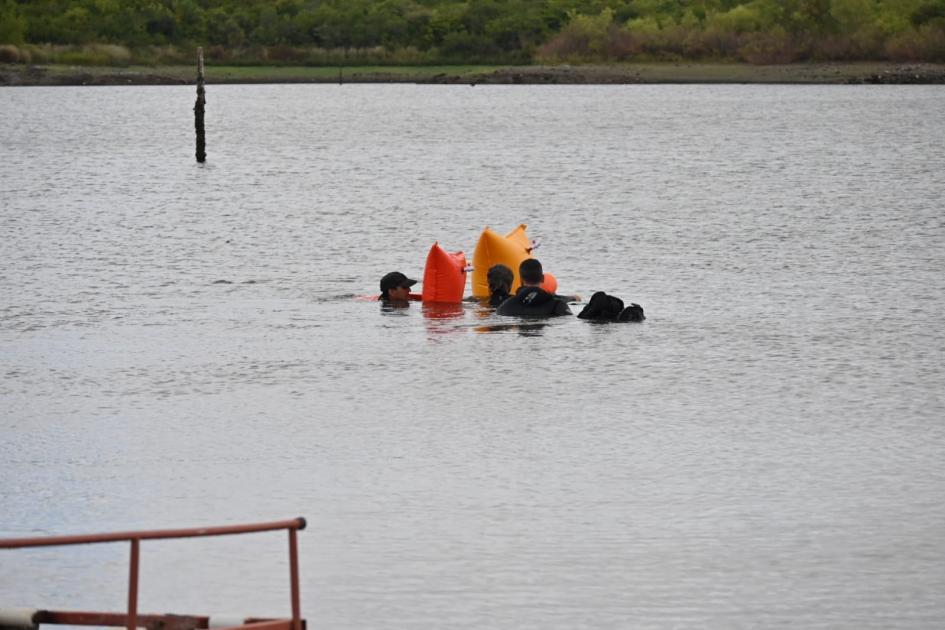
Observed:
{"x":135,"y":539}
{"x":192,"y":532}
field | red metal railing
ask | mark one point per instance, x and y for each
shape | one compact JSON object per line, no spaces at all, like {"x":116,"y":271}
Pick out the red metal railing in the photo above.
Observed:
{"x":168,"y":622}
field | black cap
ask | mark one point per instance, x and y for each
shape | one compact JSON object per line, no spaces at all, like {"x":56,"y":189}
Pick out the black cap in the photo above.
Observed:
{"x":394,"y":280}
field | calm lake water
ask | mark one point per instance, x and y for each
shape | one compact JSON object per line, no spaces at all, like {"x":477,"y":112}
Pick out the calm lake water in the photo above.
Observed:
{"x":767,"y":450}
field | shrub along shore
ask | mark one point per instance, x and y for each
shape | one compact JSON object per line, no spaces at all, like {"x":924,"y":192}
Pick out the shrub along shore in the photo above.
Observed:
{"x":494,"y":32}
{"x":431,"y":41}
{"x":623,"y":73}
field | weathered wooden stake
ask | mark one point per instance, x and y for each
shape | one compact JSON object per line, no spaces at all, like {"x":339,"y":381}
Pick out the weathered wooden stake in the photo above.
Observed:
{"x":198,"y":110}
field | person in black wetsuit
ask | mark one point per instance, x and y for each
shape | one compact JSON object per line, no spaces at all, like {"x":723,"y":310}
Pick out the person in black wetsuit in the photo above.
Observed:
{"x":609,"y":308}
{"x":531,"y":300}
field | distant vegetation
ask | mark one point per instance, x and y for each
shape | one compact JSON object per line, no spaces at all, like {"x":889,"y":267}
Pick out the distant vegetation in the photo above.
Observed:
{"x":419,"y":32}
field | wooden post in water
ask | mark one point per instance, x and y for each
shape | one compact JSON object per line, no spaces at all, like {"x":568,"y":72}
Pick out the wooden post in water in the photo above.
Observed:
{"x":198,"y":110}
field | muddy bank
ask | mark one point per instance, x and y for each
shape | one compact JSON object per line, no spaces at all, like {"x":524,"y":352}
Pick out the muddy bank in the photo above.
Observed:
{"x":827,"y":73}
{"x":721,"y":73}
{"x":21,"y":75}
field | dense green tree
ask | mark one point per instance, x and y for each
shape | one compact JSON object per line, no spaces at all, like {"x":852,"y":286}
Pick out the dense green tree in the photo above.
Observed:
{"x":929,"y":12}
{"x":460,"y":30}
{"x":13,"y":25}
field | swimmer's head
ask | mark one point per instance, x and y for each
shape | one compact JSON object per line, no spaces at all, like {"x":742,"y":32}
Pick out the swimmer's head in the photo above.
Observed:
{"x":500,"y":278}
{"x":530,"y":272}
{"x":396,"y":286}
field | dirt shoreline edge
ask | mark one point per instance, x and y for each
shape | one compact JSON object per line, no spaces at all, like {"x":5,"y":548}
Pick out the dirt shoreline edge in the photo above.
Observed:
{"x":648,"y":73}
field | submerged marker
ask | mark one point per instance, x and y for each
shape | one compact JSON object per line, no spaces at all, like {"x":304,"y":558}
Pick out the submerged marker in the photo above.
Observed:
{"x":198,"y":110}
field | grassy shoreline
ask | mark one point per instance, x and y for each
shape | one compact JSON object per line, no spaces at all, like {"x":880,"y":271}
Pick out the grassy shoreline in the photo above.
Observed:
{"x":627,"y":73}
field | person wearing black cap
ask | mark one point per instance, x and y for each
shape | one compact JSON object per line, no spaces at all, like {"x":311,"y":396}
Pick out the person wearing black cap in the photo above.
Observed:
{"x":531,"y":300}
{"x":395,"y":287}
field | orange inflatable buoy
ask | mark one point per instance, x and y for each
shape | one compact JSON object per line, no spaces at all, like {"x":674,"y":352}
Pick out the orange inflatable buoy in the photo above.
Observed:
{"x":444,"y":278}
{"x":550,"y":283}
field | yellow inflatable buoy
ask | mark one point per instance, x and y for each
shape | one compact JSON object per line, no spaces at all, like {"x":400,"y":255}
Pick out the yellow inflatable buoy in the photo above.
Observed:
{"x":509,"y":250}
{"x":519,"y":237}
{"x":494,"y":249}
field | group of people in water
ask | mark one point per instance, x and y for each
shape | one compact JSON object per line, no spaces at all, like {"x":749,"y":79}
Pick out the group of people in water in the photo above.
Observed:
{"x":530,"y":300}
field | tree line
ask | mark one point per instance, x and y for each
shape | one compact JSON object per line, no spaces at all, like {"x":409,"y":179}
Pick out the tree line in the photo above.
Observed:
{"x":479,"y":31}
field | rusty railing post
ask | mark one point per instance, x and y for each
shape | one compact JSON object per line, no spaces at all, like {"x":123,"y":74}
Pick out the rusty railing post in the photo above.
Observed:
{"x":133,"y":586}
{"x":294,"y":579}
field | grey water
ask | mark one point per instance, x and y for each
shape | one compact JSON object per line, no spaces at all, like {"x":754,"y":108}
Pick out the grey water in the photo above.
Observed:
{"x":180,"y":345}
